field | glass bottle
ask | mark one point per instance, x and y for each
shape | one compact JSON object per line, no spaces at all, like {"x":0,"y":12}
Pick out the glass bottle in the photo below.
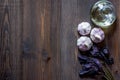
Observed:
{"x":103,"y":14}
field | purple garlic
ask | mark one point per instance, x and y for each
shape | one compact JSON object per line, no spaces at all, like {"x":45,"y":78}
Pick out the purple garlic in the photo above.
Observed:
{"x":97,"y":35}
{"x":84,"y":28}
{"x":84,"y":43}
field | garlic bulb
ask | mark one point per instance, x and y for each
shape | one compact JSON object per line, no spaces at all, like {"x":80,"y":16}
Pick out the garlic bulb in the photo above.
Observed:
{"x":84,"y":28}
{"x":84,"y":43}
{"x":97,"y":35}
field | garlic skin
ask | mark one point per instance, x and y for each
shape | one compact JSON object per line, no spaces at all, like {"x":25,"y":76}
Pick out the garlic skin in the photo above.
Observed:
{"x":97,"y":35}
{"x":84,"y":43}
{"x":84,"y":28}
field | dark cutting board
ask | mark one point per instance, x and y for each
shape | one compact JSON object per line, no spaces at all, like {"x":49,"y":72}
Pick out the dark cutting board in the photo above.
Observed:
{"x":38,"y":39}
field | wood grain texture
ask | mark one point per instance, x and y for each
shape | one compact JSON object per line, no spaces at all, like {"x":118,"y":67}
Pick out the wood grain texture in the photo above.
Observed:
{"x":38,"y":39}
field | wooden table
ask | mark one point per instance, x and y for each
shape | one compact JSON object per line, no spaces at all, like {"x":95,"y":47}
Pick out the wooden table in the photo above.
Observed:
{"x":38,"y":39}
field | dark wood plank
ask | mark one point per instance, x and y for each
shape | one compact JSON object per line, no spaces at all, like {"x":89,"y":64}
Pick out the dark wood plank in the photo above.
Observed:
{"x":36,"y":40}
{"x":113,"y":41}
{"x":10,"y":39}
